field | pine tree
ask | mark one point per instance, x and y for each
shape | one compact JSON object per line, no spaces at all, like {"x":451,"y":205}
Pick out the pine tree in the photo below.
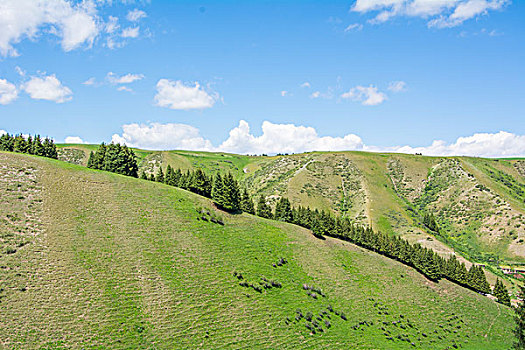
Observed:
{"x":169,"y":179}
{"x":501,"y":292}
{"x":247,"y":203}
{"x":230,"y":198}
{"x":283,"y":210}
{"x":6,"y":142}
{"x":160,"y":175}
{"x":143,"y":175}
{"x":519,"y":318}
{"x":50,"y":149}
{"x":263,"y":209}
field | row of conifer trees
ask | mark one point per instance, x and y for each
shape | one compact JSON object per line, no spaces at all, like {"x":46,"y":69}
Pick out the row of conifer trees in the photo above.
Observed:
{"x":30,"y":145}
{"x":223,"y":189}
{"x":226,"y":192}
{"x":422,"y":259}
{"x":115,"y":158}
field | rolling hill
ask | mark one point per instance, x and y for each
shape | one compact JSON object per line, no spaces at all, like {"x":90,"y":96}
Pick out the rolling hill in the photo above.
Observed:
{"x":479,"y":204}
{"x":91,"y":259}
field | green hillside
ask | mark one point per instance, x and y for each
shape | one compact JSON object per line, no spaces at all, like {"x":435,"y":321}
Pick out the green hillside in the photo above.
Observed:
{"x":90,"y":259}
{"x":479,"y":204}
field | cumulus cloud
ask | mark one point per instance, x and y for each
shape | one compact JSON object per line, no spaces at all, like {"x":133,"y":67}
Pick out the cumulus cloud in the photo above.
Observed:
{"x":123,"y":79}
{"x":135,"y":15}
{"x":8,"y":92}
{"x":290,"y":138}
{"x":315,"y":94}
{"x":305,"y":84}
{"x":177,"y":95}
{"x":284,"y":93}
{"x":74,"y":139}
{"x":74,"y":24}
{"x":501,"y":144}
{"x":47,"y":88}
{"x":130,"y":32}
{"x":441,"y":13}
{"x":158,"y":136}
{"x":287,"y":138}
{"x":368,"y":96}
{"x":397,"y":86}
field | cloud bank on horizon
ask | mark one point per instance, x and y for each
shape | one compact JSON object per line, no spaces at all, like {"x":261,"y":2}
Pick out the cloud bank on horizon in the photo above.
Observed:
{"x":290,"y":138}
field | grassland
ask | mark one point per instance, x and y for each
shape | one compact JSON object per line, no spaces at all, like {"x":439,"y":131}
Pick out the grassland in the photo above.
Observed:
{"x":111,"y":261}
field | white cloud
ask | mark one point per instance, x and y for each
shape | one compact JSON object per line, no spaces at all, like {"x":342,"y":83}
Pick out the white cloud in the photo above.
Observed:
{"x":287,"y":138}
{"x":305,"y":84}
{"x":162,"y":136}
{"x":3,"y":132}
{"x":135,"y":15}
{"x":47,"y":88}
{"x":112,"y":25}
{"x":501,"y":144}
{"x":290,"y":138}
{"x":354,"y":27}
{"x":397,"y":86}
{"x":441,"y":13}
{"x":90,"y":81}
{"x":8,"y":92}
{"x":315,"y":94}
{"x":368,"y":96}
{"x":284,"y":93}
{"x":123,"y":79}
{"x":74,"y":24}
{"x":177,"y":95}
{"x":124,"y":88}
{"x":74,"y":139}
{"x":130,"y":32}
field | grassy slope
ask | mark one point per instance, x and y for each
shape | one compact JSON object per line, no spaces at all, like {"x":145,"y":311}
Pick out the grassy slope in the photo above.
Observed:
{"x":124,"y":263}
{"x":380,"y":190}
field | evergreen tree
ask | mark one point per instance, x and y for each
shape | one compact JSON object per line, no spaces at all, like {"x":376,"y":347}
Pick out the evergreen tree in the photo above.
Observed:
{"x":169,"y":179}
{"x":283,"y":210}
{"x":200,"y":183}
{"x":50,"y":149}
{"x":152,"y":177}
{"x":160,"y":175}
{"x":247,"y":203}
{"x":7,"y":143}
{"x":263,"y":209}
{"x":226,"y":193}
{"x":20,"y":144}
{"x":38,"y":147}
{"x":29,"y":145}
{"x":143,"y":175}
{"x":501,"y":292}
{"x":97,"y":162}
{"x":519,"y":318}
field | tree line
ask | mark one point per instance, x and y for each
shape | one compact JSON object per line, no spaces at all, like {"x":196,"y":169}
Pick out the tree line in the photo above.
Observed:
{"x":30,"y":145}
{"x":223,"y":189}
{"x":424,"y":260}
{"x":115,"y":158}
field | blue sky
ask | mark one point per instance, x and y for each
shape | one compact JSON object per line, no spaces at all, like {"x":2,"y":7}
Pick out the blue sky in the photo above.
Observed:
{"x":367,"y":74}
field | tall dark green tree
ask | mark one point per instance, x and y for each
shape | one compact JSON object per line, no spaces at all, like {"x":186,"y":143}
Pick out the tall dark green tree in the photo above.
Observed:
{"x":169,"y":179}
{"x":96,"y":159}
{"x":283,"y":210}
{"x":263,"y":209}
{"x":160,"y":175}
{"x":501,"y":292}
{"x":225,"y":193}
{"x":519,"y":318}
{"x":247,"y":203}
{"x":50,"y":149}
{"x":38,"y":147}
{"x":7,"y":142}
